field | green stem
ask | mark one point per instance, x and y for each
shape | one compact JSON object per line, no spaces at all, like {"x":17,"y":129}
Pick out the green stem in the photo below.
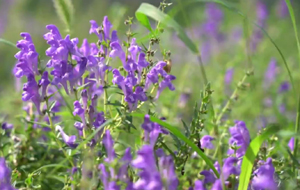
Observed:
{"x":53,"y":131}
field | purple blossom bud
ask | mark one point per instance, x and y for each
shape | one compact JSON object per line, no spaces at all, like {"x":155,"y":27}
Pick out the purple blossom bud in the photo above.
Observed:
{"x":108,"y":144}
{"x":145,"y":159}
{"x":79,"y":126}
{"x":114,"y":36}
{"x":209,"y":177}
{"x":284,"y":87}
{"x":69,"y":140}
{"x":230,"y":167}
{"x":291,"y":143}
{"x":31,"y":92}
{"x":54,"y":33}
{"x":79,"y":111}
{"x":94,"y":29}
{"x":44,"y":82}
{"x":239,"y":137}
{"x":206,"y":142}
{"x":84,"y":97}
{"x":228,"y":76}
{"x":134,"y":49}
{"x":262,"y":11}
{"x":142,"y":61}
{"x":106,"y":28}
{"x":7,"y":126}
{"x":5,"y":176}
{"x":117,"y":51}
{"x":213,"y":12}
{"x":199,"y":185}
{"x":167,"y":171}
{"x":140,"y":94}
{"x":217,"y":185}
{"x":85,"y":48}
{"x":166,"y":82}
{"x":264,"y":177}
{"x":282,"y":9}
{"x":271,"y":72}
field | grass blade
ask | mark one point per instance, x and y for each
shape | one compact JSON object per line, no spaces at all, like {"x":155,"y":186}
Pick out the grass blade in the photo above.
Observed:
{"x":289,"y":5}
{"x":65,"y":11}
{"x":250,"y":156}
{"x":146,"y":10}
{"x":181,"y":136}
{"x":7,"y":43}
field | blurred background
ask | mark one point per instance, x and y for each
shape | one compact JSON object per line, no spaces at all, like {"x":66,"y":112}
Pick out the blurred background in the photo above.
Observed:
{"x":221,"y":34}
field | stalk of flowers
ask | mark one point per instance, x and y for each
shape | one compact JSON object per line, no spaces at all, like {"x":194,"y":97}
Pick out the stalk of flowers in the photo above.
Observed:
{"x":72,"y":68}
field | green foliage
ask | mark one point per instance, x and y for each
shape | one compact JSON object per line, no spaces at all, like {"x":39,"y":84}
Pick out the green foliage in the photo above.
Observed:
{"x":65,"y":11}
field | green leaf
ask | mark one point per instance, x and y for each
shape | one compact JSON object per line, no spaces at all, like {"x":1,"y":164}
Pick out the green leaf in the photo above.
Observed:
{"x":250,"y":156}
{"x":7,"y":42}
{"x":146,"y":10}
{"x":65,"y":11}
{"x":181,"y":136}
{"x":79,"y":147}
{"x":49,"y":166}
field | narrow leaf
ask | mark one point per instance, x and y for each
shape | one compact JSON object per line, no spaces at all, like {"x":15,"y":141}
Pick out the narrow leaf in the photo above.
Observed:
{"x":8,"y":43}
{"x":146,"y":10}
{"x":65,"y":11}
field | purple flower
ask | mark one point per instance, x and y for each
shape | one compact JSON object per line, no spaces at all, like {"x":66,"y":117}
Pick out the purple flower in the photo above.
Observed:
{"x":228,"y":76}
{"x":140,"y":94}
{"x":108,"y":144}
{"x":94,"y":29}
{"x":167,"y":171}
{"x":134,"y":49}
{"x":84,"y":97}
{"x":79,"y":126}
{"x":27,"y":57}
{"x":117,"y":51}
{"x":213,"y":12}
{"x":217,"y":185}
{"x":7,"y":127}
{"x":145,"y":159}
{"x":199,"y":185}
{"x":206,"y":142}
{"x":5,"y":176}
{"x":79,"y":111}
{"x":106,"y":28}
{"x":264,"y":177}
{"x":69,"y":140}
{"x":230,"y":167}
{"x":291,"y":143}
{"x":239,"y":137}
{"x":209,"y":177}
{"x":166,"y":82}
{"x":271,"y":72}
{"x":31,"y":92}
{"x":284,"y":87}
{"x":282,"y":9}
{"x":184,"y":98}
{"x":262,"y":11}
{"x":44,"y":82}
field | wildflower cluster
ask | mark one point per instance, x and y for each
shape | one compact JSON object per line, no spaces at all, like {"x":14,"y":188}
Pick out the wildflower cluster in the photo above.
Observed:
{"x":85,"y":99}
